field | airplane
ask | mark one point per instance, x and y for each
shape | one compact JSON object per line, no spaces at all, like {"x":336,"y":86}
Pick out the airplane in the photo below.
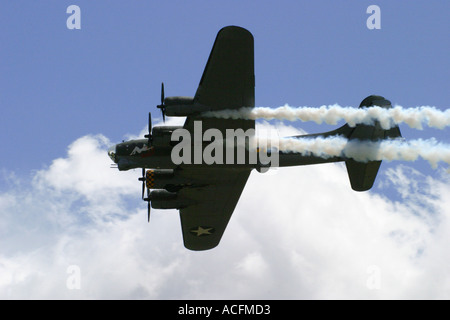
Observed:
{"x":206,"y":195}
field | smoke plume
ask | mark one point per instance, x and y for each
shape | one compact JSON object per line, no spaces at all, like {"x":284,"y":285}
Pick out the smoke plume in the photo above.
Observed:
{"x":388,"y":118}
{"x":363,"y":151}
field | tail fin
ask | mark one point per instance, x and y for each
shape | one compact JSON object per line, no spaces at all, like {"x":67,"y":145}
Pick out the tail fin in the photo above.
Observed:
{"x":362,"y":174}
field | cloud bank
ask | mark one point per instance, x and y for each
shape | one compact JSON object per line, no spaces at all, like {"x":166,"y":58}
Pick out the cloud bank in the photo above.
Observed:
{"x":297,"y":233}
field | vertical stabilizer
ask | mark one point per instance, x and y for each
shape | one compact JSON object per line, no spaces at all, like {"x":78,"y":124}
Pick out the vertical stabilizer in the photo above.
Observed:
{"x":362,"y":174}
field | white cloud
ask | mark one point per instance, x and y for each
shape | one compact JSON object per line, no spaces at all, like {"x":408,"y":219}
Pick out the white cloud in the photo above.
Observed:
{"x":300,"y":233}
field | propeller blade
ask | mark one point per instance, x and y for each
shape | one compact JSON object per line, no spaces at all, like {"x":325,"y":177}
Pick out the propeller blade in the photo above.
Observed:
{"x":150,"y":123}
{"x":149,"y":135}
{"x":148,"y":199}
{"x":162,"y":106}
{"x":143,"y":182}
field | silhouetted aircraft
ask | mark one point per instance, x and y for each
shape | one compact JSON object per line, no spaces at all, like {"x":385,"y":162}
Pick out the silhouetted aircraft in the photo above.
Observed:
{"x":206,"y":193}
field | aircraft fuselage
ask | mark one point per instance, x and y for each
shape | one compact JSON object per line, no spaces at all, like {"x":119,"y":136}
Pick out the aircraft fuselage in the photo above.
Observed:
{"x":140,"y":154}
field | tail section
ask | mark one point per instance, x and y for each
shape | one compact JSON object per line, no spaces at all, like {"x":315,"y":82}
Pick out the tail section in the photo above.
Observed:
{"x":362,"y":174}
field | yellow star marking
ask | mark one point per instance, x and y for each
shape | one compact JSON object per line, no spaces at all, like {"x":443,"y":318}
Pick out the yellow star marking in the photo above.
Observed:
{"x":201,"y":231}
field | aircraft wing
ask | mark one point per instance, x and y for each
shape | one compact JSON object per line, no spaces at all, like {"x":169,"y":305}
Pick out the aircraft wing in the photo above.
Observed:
{"x":228,"y":81}
{"x":204,"y":223}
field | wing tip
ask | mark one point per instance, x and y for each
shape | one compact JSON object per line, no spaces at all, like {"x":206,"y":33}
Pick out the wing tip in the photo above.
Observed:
{"x":232,"y":29}
{"x":200,"y":246}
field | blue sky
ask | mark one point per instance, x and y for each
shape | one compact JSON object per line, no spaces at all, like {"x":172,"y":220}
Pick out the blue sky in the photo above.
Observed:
{"x":59,"y":84}
{"x":66,"y":94}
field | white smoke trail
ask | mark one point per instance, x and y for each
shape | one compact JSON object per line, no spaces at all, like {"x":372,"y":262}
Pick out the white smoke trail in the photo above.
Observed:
{"x":363,"y":151}
{"x":388,"y":118}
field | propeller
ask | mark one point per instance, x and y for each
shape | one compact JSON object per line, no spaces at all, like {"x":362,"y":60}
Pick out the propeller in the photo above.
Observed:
{"x":149,"y":135}
{"x":162,"y":106}
{"x":143,"y":182}
{"x":148,"y":198}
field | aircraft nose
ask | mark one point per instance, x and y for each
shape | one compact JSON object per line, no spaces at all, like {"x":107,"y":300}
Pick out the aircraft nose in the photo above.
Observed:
{"x":112,"y":153}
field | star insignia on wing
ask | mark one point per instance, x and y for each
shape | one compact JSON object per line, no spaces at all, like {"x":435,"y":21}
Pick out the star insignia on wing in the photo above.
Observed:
{"x":202,"y":231}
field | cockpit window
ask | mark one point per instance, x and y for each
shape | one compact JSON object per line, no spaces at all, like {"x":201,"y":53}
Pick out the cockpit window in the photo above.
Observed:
{"x":112,"y":153}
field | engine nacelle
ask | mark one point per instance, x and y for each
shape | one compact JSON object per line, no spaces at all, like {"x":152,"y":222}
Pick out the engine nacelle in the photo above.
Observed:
{"x":166,"y":179}
{"x":161,"y":135}
{"x":163,"y":199}
{"x":182,"y":107}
